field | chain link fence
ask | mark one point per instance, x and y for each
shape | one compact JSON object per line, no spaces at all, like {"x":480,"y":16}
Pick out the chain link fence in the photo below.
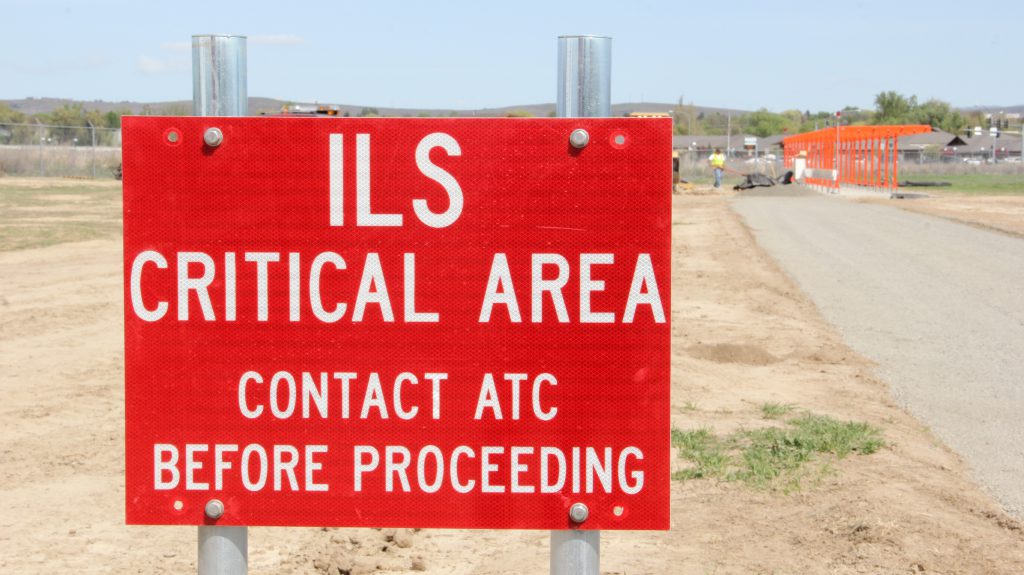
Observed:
{"x":693,"y":165}
{"x":59,"y":151}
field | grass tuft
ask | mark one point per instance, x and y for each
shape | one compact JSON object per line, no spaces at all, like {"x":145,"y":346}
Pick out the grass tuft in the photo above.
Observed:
{"x":776,"y":410}
{"x":774,"y":457}
{"x":703,"y":449}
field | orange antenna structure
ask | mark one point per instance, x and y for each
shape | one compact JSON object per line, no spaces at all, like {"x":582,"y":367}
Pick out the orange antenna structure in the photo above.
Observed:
{"x":850,"y":155}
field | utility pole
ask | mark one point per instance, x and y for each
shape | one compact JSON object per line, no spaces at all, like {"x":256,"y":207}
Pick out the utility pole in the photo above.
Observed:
{"x":92,"y":132}
{"x":679,"y":113}
{"x":728,"y":135}
{"x":41,"y":139}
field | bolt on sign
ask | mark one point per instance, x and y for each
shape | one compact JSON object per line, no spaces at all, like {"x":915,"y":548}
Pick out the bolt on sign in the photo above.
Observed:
{"x":458,"y":323}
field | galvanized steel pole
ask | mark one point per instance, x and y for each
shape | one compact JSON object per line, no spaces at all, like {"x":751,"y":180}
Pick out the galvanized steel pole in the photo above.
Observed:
{"x":223,"y":550}
{"x":584,"y":77}
{"x":584,"y":91}
{"x":219,"y":75}
{"x":219,"y":89}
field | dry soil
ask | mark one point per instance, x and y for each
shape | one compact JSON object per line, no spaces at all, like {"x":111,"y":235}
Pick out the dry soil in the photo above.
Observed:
{"x":743,"y":336}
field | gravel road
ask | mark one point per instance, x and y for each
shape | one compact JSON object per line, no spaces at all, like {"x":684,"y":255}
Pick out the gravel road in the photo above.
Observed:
{"x":938,"y":305}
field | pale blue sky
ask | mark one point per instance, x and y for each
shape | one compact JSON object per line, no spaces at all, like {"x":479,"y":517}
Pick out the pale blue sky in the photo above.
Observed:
{"x":459,"y":55}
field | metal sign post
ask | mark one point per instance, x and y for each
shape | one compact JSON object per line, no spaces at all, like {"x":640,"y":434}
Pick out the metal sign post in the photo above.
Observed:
{"x":584,"y":90}
{"x":219,"y":75}
{"x":584,"y":77}
{"x":219,"y":89}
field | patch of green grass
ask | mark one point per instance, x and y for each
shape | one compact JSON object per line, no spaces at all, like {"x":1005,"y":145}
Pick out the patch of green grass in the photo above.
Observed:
{"x":971,"y":183}
{"x":767,"y":455}
{"x":776,"y":410}
{"x":774,"y":457}
{"x":841,"y":438}
{"x":702,"y":448}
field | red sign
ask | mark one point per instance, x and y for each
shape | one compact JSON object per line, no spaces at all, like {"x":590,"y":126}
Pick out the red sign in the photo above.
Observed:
{"x":397,"y":322}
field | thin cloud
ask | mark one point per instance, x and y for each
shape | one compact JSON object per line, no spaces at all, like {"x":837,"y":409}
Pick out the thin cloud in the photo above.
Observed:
{"x":183,"y":46}
{"x":54,"y":67}
{"x":257,"y":40}
{"x":276,"y":40}
{"x":154,"y":66}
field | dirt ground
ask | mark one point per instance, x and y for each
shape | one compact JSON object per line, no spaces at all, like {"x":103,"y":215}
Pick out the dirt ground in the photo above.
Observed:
{"x":742,"y":336}
{"x":1003,"y":213}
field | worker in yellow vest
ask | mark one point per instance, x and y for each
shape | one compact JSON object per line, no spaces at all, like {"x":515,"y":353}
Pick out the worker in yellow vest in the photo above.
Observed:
{"x":717,"y":163}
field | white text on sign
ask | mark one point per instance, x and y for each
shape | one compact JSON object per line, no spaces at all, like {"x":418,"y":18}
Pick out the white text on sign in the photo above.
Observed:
{"x":196,"y":271}
{"x":364,"y":212}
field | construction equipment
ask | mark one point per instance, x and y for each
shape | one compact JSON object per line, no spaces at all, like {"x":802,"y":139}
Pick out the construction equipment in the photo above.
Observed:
{"x":311,"y":110}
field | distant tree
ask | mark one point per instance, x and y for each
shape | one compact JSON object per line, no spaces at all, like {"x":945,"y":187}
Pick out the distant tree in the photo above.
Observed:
{"x":793,"y":115}
{"x":518,"y":114}
{"x":112,"y":119}
{"x":762,"y":123}
{"x":939,"y":114}
{"x":12,"y":134}
{"x":105,"y":125}
{"x":684,"y":119}
{"x":815,"y":121}
{"x":9,"y":115}
{"x":69,"y":123}
{"x":975,"y":118}
{"x":854,"y":116}
{"x":177,"y":109}
{"x":794,"y":118}
{"x":893,"y":108}
{"x":369,"y":113}
{"x":714,"y":124}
